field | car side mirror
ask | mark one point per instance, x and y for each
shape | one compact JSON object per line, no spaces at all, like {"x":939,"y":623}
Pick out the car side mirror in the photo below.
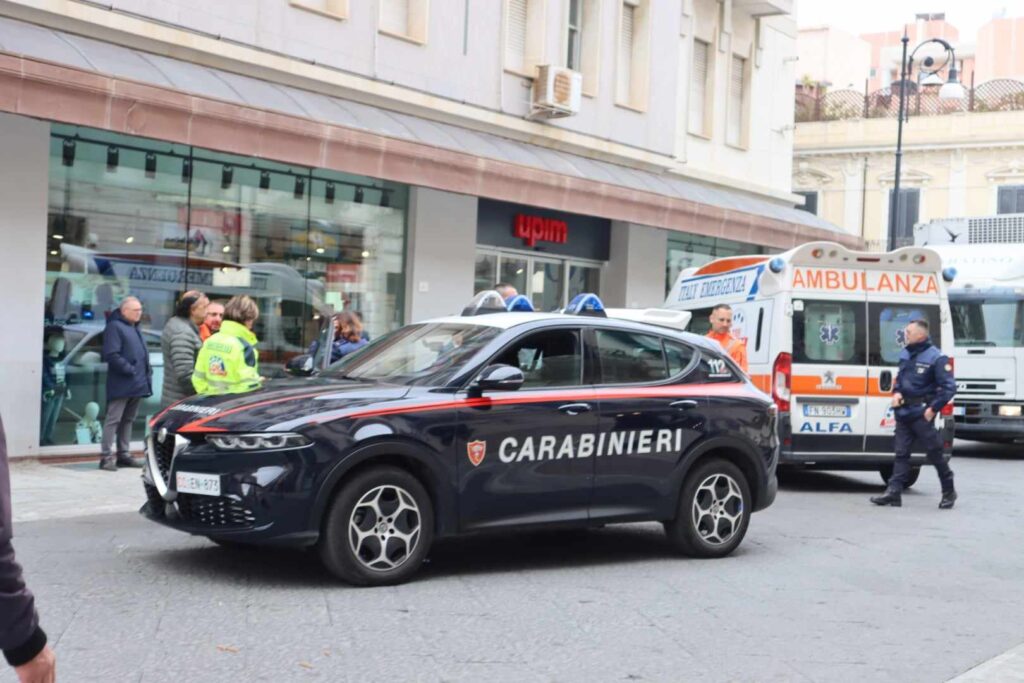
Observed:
{"x":300,"y":366}
{"x":499,"y":377}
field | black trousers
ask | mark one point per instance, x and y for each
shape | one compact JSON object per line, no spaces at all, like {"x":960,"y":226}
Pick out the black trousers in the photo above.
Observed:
{"x":924,"y":432}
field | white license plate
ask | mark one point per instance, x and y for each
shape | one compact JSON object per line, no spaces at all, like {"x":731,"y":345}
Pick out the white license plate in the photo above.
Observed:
{"x":201,"y":484}
{"x":826,"y":411}
{"x":959,"y":410}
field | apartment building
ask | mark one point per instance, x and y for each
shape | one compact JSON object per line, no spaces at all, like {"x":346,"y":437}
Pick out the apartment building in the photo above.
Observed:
{"x":384,"y":156}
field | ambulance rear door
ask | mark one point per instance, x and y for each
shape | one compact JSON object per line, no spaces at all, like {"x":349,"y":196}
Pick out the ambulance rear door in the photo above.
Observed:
{"x":894,"y":301}
{"x":829,"y":371}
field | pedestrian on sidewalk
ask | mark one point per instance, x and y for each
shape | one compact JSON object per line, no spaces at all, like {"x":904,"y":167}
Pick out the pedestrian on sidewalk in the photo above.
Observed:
{"x":22,"y":641}
{"x":129,"y":380}
{"x":214,"y":318}
{"x":228,"y":363}
{"x":180,"y":343}
{"x":721,"y":332}
{"x":923,"y":386}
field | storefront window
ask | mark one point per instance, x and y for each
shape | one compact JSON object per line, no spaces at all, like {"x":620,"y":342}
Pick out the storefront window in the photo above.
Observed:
{"x":546,"y":285}
{"x":513,"y":270}
{"x":486,"y":273}
{"x":692,"y":251}
{"x":130,"y":216}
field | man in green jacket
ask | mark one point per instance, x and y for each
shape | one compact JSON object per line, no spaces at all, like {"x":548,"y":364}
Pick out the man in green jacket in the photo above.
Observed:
{"x":228,"y":361}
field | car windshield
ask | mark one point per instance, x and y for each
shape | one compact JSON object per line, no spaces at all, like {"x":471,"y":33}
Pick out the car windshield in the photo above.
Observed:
{"x":428,"y":354}
{"x":988,"y":321}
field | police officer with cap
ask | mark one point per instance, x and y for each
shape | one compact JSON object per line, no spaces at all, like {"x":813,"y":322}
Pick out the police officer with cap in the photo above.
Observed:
{"x":923,"y":386}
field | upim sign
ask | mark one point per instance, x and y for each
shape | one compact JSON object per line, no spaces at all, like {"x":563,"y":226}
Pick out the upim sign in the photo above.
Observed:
{"x":533,"y":229}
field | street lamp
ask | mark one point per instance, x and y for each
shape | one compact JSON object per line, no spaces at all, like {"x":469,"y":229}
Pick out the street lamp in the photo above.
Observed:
{"x":951,"y":90}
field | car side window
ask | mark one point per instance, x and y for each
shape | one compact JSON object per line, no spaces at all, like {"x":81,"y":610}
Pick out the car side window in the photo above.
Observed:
{"x":629,"y":357}
{"x":680,"y":357}
{"x":552,"y":358}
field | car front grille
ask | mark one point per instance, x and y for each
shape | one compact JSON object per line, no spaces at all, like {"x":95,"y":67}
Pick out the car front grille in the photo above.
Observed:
{"x":164,"y":452}
{"x":214,"y":512}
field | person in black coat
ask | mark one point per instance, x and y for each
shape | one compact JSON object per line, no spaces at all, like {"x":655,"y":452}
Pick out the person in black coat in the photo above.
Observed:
{"x":129,"y":380}
{"x":22,"y":641}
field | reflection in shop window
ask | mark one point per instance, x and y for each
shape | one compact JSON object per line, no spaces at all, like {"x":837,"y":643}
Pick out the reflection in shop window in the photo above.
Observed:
{"x":130,"y":216}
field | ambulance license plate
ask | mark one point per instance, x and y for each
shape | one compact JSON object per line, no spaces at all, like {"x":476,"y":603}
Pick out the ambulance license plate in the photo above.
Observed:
{"x":817,"y":410}
{"x":959,"y":411}
{"x":200,"y":484}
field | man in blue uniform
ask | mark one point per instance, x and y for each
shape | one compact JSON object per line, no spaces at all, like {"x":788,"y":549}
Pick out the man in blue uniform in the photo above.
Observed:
{"x":923,"y":386}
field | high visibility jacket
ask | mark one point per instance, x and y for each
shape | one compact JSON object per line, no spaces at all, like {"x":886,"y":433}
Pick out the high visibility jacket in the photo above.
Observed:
{"x":227,"y":363}
{"x":736,"y":348}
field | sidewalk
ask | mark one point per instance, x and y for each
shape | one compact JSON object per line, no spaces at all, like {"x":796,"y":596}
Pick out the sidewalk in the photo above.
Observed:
{"x":58,"y":491}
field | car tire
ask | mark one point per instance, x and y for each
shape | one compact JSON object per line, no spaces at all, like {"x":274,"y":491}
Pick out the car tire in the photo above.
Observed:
{"x":912,"y":475}
{"x":714,"y":511}
{"x":378,"y":528}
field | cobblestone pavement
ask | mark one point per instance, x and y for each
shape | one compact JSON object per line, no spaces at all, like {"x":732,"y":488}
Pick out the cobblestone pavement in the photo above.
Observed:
{"x":825,"y":588}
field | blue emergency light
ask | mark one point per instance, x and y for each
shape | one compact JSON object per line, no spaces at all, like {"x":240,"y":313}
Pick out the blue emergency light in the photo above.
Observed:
{"x":586,"y":304}
{"x":949,"y":274}
{"x":777,"y":265}
{"x":488,"y":301}
{"x":519,"y":304}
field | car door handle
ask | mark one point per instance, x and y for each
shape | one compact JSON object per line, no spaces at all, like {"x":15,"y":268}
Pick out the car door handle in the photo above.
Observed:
{"x":684,"y":404}
{"x":574,"y":408}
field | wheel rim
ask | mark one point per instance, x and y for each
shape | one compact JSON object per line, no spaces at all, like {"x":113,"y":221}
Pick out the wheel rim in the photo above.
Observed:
{"x":384,"y":528}
{"x":718,"y":509}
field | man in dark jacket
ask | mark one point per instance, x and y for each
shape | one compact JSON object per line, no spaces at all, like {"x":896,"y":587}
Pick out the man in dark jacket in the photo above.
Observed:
{"x":129,"y":380}
{"x":923,"y":387}
{"x":21,"y":639}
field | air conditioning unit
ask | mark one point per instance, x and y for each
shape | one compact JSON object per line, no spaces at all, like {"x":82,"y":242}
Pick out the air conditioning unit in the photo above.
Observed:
{"x":557,"y":92}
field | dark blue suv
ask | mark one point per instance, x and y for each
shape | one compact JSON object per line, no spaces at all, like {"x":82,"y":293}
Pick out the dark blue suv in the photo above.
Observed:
{"x":471,"y":423}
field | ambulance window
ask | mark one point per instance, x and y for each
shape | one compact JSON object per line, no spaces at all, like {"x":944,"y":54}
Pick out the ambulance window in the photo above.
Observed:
{"x":829,"y":332}
{"x":629,"y":358}
{"x":699,"y":322}
{"x":548,"y":359}
{"x":887,"y":324}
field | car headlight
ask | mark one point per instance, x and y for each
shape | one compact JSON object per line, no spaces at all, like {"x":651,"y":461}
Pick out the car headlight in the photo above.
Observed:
{"x":270,"y":441}
{"x":1009,"y":411}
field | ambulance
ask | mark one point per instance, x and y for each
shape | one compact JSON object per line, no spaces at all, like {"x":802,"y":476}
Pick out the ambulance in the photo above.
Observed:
{"x":824,"y":330}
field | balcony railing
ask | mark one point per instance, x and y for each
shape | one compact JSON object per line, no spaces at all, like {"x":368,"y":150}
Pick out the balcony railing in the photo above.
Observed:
{"x":1002,"y":94}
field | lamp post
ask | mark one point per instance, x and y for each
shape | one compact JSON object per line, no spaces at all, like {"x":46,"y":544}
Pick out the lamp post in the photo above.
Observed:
{"x":951,"y":90}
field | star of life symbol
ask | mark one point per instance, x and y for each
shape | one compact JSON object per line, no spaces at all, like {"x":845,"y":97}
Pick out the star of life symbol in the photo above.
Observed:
{"x":829,"y":334}
{"x":901,"y":337}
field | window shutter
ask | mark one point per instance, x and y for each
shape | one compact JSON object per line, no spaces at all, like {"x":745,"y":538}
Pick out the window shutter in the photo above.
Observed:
{"x":625,"y":64}
{"x":515,"y":35}
{"x":1007,"y":200}
{"x":734,"y":131}
{"x":698,"y":86}
{"x":395,"y":16}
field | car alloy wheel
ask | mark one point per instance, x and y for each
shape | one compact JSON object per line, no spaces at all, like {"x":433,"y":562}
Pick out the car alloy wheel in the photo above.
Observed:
{"x":718,"y":509}
{"x":384,"y":528}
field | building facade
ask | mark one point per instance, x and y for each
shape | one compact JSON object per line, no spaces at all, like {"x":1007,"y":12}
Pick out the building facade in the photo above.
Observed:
{"x":388,"y":157}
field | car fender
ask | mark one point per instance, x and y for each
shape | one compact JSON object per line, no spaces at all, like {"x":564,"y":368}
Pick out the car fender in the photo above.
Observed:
{"x":441,"y":482}
{"x":750,"y":462}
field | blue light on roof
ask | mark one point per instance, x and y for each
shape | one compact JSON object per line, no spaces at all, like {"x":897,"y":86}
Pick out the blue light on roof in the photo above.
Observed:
{"x":586,"y":304}
{"x":519,"y":304}
{"x":949,"y":274}
{"x":777,"y":265}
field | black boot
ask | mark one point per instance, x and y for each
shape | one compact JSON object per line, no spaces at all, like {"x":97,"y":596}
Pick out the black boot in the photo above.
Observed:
{"x":948,"y":498}
{"x":892,"y":497}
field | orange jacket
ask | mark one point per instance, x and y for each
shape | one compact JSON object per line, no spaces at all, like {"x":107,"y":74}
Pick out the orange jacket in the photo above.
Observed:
{"x":736,"y":348}
{"x":205,"y":332}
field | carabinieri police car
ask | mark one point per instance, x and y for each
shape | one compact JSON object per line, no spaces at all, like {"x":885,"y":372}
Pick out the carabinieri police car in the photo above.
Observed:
{"x":495,"y":419}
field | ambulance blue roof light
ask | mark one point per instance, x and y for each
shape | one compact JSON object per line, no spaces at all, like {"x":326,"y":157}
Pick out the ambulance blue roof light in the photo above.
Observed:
{"x":586,"y":304}
{"x":949,"y":274}
{"x":777,"y":265}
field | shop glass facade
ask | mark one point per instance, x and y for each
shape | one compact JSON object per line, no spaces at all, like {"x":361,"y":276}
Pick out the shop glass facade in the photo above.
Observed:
{"x":690,"y":251}
{"x":132,"y":216}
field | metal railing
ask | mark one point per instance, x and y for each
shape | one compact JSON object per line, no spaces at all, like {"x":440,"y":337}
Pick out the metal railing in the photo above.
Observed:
{"x":1001,"y":94}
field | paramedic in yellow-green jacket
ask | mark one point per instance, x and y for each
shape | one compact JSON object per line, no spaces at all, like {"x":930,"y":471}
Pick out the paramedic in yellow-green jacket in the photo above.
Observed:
{"x":228,"y":361}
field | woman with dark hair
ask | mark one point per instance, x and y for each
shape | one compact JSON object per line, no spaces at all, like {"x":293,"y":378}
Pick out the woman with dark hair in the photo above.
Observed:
{"x":349,"y":336}
{"x":180,"y":344}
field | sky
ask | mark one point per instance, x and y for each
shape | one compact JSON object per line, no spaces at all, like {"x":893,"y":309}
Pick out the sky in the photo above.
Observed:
{"x":869,"y":16}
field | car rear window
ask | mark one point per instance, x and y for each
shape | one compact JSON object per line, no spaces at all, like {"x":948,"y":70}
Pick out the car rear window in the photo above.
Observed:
{"x":828,"y":332}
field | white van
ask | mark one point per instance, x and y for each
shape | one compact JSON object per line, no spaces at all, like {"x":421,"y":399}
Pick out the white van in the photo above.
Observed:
{"x":824,"y":330}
